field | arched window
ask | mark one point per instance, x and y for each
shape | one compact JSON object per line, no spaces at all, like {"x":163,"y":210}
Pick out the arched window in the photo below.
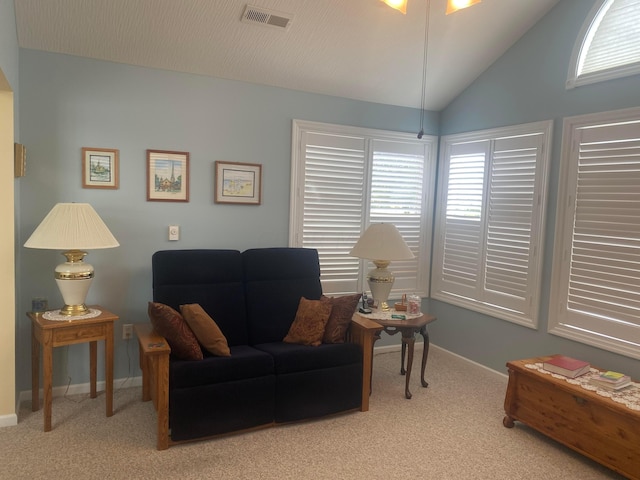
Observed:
{"x":608,"y":45}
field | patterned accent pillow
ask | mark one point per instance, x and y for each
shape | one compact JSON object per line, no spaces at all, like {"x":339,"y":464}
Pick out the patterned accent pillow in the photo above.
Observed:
{"x":170,"y":324}
{"x":205,"y":329}
{"x":308,"y":326}
{"x":342,"y":310}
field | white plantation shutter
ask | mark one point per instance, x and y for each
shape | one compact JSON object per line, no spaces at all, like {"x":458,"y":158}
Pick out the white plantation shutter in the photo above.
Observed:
{"x":397,"y":185}
{"x":490,"y":221}
{"x":333,"y":205}
{"x":608,"y":45}
{"x":462,"y":232}
{"x":596,"y":292}
{"x":513,"y":212}
{"x":345,"y":178}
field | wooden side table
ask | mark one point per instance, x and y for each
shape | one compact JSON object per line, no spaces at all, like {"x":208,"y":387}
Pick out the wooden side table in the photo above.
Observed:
{"x":408,"y":328}
{"x":54,"y":333}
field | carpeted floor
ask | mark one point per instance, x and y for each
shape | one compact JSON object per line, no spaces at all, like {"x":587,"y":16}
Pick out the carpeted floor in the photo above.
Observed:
{"x":451,"y":430}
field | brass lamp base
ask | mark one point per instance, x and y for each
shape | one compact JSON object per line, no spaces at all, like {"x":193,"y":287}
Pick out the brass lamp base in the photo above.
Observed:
{"x":74,"y":310}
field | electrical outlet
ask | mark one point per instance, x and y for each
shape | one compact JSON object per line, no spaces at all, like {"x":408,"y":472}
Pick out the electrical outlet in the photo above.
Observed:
{"x":127,"y":331}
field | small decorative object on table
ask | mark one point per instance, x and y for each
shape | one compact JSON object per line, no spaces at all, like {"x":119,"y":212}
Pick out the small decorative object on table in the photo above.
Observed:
{"x":414,"y":304}
{"x":401,"y":306}
{"x":567,"y":366}
{"x":611,"y":381}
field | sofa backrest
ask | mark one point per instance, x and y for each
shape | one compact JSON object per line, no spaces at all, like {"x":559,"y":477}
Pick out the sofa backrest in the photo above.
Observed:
{"x":275,"y":279}
{"x":212,"y":278}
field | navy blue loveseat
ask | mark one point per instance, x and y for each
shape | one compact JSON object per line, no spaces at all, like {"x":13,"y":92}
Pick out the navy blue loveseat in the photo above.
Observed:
{"x":253,"y":297}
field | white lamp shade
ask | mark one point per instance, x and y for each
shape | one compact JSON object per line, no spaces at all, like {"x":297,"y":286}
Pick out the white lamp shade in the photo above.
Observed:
{"x":382,"y":241}
{"x":72,"y":226}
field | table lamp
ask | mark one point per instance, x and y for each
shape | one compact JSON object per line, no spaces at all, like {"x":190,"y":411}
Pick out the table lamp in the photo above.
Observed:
{"x":381,"y":243}
{"x":72,"y":227}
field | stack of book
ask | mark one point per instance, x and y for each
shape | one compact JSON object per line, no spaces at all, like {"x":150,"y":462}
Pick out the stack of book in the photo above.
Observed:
{"x":567,"y":366}
{"x":611,"y":381}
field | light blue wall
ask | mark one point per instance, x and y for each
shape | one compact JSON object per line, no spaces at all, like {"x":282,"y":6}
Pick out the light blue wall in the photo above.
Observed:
{"x":528,"y":84}
{"x":69,"y":103}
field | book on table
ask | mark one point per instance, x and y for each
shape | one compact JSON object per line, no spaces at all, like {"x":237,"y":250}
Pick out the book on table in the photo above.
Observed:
{"x":567,"y":366}
{"x":611,"y":380}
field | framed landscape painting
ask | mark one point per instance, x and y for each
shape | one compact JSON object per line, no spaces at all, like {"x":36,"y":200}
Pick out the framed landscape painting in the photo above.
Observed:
{"x":99,"y":168}
{"x":167,"y":176}
{"x":239,"y":183}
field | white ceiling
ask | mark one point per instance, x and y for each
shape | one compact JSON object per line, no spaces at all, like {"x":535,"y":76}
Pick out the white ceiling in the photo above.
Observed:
{"x":359,"y":49}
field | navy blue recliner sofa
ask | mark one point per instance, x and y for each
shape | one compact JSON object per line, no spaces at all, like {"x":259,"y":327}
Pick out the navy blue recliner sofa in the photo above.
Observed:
{"x":253,"y":297}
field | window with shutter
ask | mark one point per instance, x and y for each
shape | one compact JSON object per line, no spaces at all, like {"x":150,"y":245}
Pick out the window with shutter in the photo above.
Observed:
{"x":596,"y":276}
{"x":489,"y":221}
{"x":344,"y":179}
{"x":608,"y":46}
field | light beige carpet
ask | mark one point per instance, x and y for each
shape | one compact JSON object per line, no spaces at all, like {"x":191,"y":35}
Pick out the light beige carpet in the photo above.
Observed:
{"x":451,"y":430}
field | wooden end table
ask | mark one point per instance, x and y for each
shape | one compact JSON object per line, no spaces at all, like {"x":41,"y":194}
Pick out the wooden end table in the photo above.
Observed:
{"x":409,"y":328}
{"x":56,"y":333}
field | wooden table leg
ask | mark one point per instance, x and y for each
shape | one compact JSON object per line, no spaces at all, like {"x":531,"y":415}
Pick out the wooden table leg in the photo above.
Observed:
{"x":35,"y":371}
{"x":47,"y":374}
{"x":108,"y":367}
{"x":402,"y":355}
{"x":425,"y":354}
{"x":409,"y":340}
{"x":93,"y":370}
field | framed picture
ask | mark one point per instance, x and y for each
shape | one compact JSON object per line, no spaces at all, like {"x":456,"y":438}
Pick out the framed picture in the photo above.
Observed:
{"x":239,"y":183}
{"x":99,"y":168}
{"x":167,"y":176}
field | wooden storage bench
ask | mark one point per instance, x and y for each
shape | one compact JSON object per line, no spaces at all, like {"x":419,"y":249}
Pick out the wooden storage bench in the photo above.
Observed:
{"x":591,"y":424}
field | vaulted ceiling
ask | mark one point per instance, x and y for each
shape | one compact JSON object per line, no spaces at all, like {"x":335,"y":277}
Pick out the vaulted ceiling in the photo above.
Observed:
{"x":359,"y":49}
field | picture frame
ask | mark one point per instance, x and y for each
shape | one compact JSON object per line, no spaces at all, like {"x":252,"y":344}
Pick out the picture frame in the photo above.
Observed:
{"x":100,"y":168}
{"x":167,"y":176}
{"x":238,"y":183}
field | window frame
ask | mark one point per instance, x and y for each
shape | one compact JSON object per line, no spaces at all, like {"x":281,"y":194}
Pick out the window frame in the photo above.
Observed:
{"x":296,"y":208}
{"x":538,"y":204}
{"x":576,"y":79}
{"x":559,"y":322}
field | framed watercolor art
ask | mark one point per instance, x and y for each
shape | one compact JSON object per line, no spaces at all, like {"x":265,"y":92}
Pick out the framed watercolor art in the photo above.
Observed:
{"x":167,"y":176}
{"x":99,"y":168}
{"x":239,"y":183}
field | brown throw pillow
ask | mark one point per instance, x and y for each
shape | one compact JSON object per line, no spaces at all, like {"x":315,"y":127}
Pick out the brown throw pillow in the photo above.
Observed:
{"x":308,"y":326}
{"x":342,"y":310}
{"x":205,"y":329}
{"x":170,"y":324}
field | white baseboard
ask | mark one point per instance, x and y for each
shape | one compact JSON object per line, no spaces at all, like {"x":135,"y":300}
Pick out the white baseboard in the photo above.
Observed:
{"x":8,"y":420}
{"x":83,"y":388}
{"x":418,"y":346}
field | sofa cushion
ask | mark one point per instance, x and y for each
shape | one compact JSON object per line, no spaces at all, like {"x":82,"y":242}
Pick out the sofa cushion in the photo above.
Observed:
{"x":244,"y":363}
{"x":291,"y":358}
{"x":170,"y":324}
{"x":275,"y":279}
{"x":342,"y":311}
{"x":211,"y":278}
{"x":308,"y":326}
{"x":205,"y":329}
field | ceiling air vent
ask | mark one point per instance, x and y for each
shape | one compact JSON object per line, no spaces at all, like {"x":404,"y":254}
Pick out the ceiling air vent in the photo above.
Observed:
{"x":268,"y":18}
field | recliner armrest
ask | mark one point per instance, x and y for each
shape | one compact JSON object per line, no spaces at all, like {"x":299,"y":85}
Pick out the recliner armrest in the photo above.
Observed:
{"x":364,"y":332}
{"x":154,"y":363}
